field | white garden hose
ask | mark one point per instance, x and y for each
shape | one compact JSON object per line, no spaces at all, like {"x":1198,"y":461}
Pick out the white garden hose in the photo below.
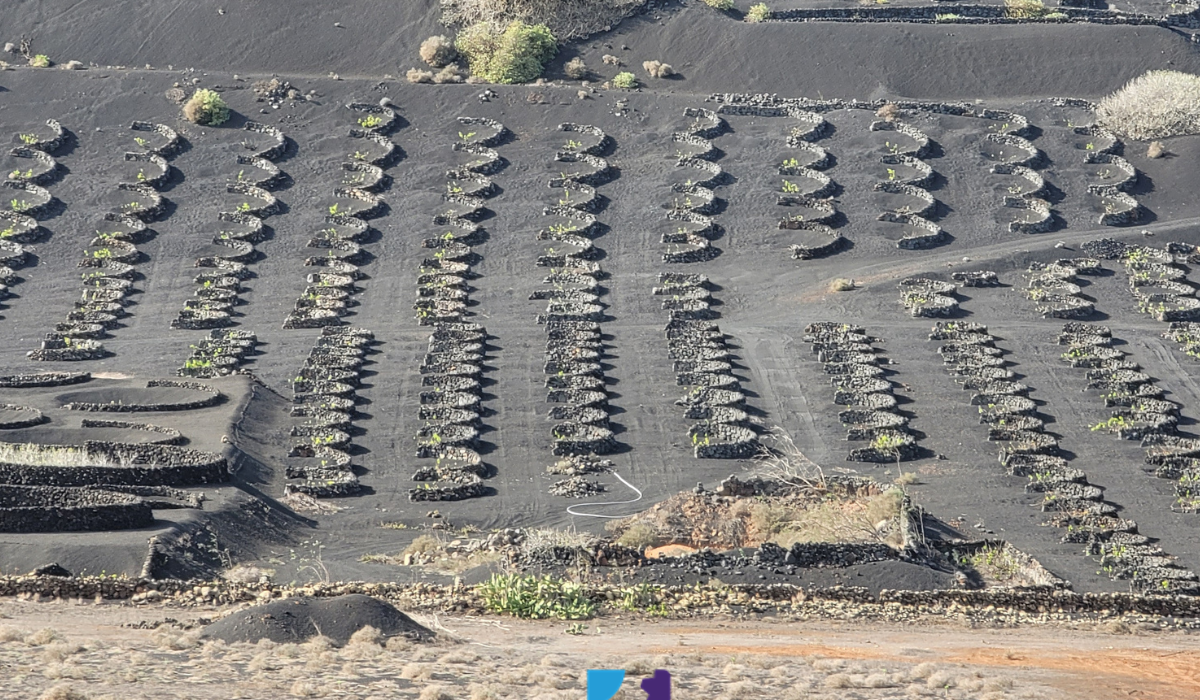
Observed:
{"x":571,"y":509}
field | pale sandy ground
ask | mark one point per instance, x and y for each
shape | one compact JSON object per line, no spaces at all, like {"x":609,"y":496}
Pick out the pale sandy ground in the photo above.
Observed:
{"x":53,"y":649}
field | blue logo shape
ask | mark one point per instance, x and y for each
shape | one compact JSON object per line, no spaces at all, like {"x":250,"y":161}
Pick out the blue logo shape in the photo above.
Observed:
{"x":604,"y":683}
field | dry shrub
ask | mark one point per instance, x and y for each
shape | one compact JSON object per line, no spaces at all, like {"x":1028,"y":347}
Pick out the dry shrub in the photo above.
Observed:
{"x":734,"y":672}
{"x":450,"y":74}
{"x":758,"y":13}
{"x":367,"y":635}
{"x":576,"y":69}
{"x":940,"y":679}
{"x":247,"y":573}
{"x":906,"y":479}
{"x":889,"y":112}
{"x":1025,"y":9}
{"x":434,"y":692}
{"x":11,"y":634}
{"x":611,"y":60}
{"x":305,"y":689}
{"x":639,"y":535}
{"x":480,"y":691}
{"x":416,"y":75}
{"x":658,"y":69}
{"x":743,"y":690}
{"x":1156,"y":105}
{"x":567,"y":19}
{"x":1156,"y":149}
{"x":63,"y":692}
{"x":841,"y":284}
{"x":398,"y":643}
{"x":43,"y":637}
{"x":838,"y":680}
{"x":922,"y":671}
{"x":438,"y":51}
{"x":416,"y":672}
{"x":461,"y":656}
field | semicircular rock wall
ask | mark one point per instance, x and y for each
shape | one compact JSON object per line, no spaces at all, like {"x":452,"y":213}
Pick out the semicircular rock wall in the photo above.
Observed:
{"x":109,"y":265}
{"x":451,"y":468}
{"x":575,"y":380}
{"x":970,"y":354}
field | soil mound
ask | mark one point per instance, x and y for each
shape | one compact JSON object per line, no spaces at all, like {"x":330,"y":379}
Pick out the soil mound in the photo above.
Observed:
{"x":298,"y":619}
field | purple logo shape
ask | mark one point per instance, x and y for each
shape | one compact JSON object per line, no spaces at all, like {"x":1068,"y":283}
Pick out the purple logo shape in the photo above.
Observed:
{"x":658,"y":686}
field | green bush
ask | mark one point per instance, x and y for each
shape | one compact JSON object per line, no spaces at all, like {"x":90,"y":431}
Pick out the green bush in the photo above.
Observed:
{"x":625,"y":80}
{"x":516,"y":55}
{"x":206,"y":108}
{"x":723,"y":5}
{"x":40,"y":61}
{"x":758,"y":13}
{"x":536,"y":598}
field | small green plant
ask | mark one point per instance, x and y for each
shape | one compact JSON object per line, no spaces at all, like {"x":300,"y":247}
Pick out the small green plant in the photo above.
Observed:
{"x":573,"y":145}
{"x":791,"y":187}
{"x":536,"y":598}
{"x":205,"y":107}
{"x":949,"y":17}
{"x":28,"y":139}
{"x":334,"y":209}
{"x":722,"y":5}
{"x":19,"y":205}
{"x":370,"y":121}
{"x":245,"y":207}
{"x":625,"y":80}
{"x":40,"y":61}
{"x":758,"y":13}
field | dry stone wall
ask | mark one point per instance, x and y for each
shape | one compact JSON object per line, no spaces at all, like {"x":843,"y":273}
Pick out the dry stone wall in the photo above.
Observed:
{"x":451,"y":468}
{"x":324,"y":393}
{"x":971,"y":355}
{"x":109,"y":265}
{"x":330,"y":289}
{"x":575,"y":381}
{"x":860,"y":383}
{"x":30,"y":198}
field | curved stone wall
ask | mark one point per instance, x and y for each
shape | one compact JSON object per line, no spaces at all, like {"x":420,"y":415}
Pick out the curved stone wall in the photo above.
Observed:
{"x":59,"y":509}
{"x":450,"y":404}
{"x":859,"y":382}
{"x":1028,"y":451}
{"x":324,"y":396}
{"x":108,"y":266}
{"x":1052,"y":287}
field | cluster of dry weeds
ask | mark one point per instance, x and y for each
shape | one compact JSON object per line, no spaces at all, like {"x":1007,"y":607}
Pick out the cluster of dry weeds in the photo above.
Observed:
{"x":171,"y":663}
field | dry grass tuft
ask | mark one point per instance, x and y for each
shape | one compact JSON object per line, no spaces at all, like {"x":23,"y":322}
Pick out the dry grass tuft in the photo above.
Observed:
{"x":658,"y":69}
{"x":906,"y":479}
{"x":11,"y":634}
{"x":1156,"y":105}
{"x":841,"y":284}
{"x":838,"y":680}
{"x":438,"y":51}
{"x":481,"y":691}
{"x":450,"y":74}
{"x":639,"y":535}
{"x":367,"y":635}
{"x":416,"y":75}
{"x":434,"y":692}
{"x":1156,"y":149}
{"x":43,"y":637}
{"x":63,"y":692}
{"x":247,"y":573}
{"x":305,"y":689}
{"x":416,"y":672}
